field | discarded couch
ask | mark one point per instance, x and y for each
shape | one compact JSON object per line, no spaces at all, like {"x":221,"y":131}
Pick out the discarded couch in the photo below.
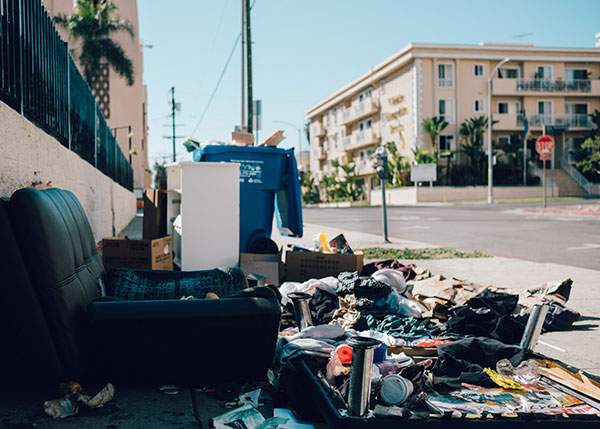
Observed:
{"x":56,"y":326}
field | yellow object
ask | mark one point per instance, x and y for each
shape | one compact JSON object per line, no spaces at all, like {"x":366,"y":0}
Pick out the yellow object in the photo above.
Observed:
{"x":502,"y":380}
{"x":324,"y":242}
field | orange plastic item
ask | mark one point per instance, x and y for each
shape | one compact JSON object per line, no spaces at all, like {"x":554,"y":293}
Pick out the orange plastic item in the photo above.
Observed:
{"x":344,"y":352}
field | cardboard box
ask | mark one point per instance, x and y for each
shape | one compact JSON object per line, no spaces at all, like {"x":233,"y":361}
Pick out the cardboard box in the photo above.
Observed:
{"x":302,"y":266}
{"x":269,"y":266}
{"x":119,"y":252}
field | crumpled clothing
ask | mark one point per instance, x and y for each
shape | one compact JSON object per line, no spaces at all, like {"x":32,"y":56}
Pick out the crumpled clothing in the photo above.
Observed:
{"x":347,"y":314}
{"x":327,"y":284}
{"x":558,"y":318}
{"x":483,"y":322}
{"x":463,"y":361}
{"x":323,"y":306}
{"x":361,"y":287}
{"x":73,"y":397}
{"x":500,"y":303}
{"x":488,"y":314}
{"x":407,"y":270}
{"x":405,"y":328}
{"x":320,"y":332}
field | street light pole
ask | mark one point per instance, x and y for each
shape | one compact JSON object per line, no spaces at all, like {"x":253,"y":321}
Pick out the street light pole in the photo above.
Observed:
{"x":490,"y":197}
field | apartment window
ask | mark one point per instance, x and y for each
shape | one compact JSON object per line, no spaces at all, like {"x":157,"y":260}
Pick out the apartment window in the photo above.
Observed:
{"x":365,"y":124}
{"x":544,"y":107}
{"x":478,"y":69}
{"x":503,"y":107}
{"x":543,"y":72}
{"x":365,"y":94}
{"x":478,"y":106}
{"x":577,"y":74}
{"x":508,"y":73}
{"x":446,"y":142}
{"x":445,"y":109}
{"x":577,"y":108}
{"x":504,"y":140}
{"x":445,"y":75}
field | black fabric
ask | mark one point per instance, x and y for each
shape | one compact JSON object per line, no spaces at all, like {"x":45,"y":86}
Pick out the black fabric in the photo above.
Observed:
{"x":361,"y":287}
{"x":322,"y":306}
{"x":488,"y":314}
{"x":28,"y":358}
{"x":558,"y":318}
{"x":394,"y":264}
{"x":406,"y":328}
{"x":463,"y":361}
{"x":133,"y":285}
{"x":501,"y":303}
{"x":484,"y":322}
{"x":59,"y":251}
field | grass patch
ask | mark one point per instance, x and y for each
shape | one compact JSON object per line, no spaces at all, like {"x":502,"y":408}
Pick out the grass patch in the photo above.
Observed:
{"x":426,"y":253}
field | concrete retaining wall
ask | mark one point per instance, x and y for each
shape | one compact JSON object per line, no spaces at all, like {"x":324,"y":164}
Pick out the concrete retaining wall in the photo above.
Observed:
{"x":28,"y":155}
{"x":449,"y":194}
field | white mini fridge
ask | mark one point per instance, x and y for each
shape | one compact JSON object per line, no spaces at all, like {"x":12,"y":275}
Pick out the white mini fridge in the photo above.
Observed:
{"x":203,"y":214}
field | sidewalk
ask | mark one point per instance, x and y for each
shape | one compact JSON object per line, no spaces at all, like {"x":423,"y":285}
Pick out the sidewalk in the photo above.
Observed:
{"x":580,"y":344}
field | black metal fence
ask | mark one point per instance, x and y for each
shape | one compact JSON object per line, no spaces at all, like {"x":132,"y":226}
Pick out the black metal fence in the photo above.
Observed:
{"x":39,"y":79}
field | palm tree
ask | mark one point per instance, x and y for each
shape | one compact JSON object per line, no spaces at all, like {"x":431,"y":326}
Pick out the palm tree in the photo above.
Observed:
{"x":93,"y":23}
{"x":472,"y":132}
{"x":433,"y":127}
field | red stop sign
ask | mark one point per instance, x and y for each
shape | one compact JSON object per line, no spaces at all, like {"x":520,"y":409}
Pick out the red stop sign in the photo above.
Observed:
{"x":544,"y":145}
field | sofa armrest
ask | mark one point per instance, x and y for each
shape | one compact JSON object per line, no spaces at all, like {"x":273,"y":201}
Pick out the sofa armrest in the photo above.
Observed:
{"x":193,"y":343}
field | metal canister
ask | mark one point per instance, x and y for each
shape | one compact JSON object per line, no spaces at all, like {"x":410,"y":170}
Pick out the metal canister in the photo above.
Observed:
{"x":360,"y":377}
{"x":302,"y":314}
{"x":534,"y":326}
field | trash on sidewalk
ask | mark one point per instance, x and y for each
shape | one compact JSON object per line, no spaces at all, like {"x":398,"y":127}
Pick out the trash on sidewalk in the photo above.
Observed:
{"x":121,"y":252}
{"x":73,"y":397}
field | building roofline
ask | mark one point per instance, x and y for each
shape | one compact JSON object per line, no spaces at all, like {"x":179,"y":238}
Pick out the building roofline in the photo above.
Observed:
{"x":404,"y":55}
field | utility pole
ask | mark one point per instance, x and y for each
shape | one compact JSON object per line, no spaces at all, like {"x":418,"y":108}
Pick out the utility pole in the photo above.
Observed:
{"x":247,"y":104}
{"x":250,"y":101}
{"x":173,"y":110}
{"x":243,"y":71}
{"x":173,"y":125}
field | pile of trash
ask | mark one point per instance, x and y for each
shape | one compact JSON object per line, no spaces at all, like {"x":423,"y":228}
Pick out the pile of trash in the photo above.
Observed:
{"x":430,"y":345}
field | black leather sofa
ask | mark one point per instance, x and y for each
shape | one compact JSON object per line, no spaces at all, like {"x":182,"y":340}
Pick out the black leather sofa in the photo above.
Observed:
{"x":54,"y":325}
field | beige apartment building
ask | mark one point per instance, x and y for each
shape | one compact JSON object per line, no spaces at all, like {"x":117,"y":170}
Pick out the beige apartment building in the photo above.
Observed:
{"x":550,"y":86}
{"x":123,"y":106}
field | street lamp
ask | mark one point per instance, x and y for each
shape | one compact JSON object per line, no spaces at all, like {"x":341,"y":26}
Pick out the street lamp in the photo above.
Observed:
{"x":289,"y":124}
{"x":490,"y":198}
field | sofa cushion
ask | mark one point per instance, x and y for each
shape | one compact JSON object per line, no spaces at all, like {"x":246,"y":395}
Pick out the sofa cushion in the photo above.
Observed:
{"x":60,"y":255}
{"x":132,"y":285}
{"x":28,"y":358}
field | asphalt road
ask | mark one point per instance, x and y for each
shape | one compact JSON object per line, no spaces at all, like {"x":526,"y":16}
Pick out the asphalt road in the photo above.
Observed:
{"x":500,"y":230}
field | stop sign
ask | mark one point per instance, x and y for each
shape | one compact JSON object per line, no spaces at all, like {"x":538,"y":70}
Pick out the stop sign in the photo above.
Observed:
{"x":544,"y":146}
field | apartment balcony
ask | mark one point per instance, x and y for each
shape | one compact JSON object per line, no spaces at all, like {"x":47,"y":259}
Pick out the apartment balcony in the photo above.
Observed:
{"x":514,"y":122}
{"x":572,"y":121}
{"x":319,"y":153}
{"x":360,"y":139}
{"x":572,"y":87}
{"x":364,"y":167}
{"x":360,"y":109}
{"x":317,"y":129}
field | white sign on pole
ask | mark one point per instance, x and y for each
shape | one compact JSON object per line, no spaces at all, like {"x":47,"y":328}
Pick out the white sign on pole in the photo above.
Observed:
{"x":423,"y":173}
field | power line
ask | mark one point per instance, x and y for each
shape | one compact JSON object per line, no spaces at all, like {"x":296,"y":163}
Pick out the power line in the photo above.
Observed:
{"x":221,"y":76}
{"x":214,"y":92}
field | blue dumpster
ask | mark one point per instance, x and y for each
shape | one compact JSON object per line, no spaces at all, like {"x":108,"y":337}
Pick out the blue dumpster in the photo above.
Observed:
{"x":268,"y":181}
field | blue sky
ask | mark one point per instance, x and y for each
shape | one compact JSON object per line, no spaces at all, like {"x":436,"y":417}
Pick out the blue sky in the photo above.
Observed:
{"x":305,"y":50}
